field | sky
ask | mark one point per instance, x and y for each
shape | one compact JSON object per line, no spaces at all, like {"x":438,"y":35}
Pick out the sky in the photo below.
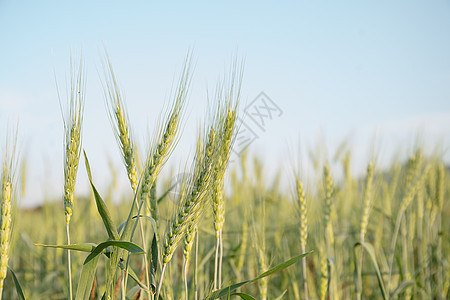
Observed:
{"x":369,"y":73}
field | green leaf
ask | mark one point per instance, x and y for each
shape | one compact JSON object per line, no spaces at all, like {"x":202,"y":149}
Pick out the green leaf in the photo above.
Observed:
{"x":371,"y":251}
{"x":86,"y":278}
{"x":131,"y":293}
{"x":131,"y":247}
{"x":282,"y":266}
{"x":165,"y":193}
{"x":85,"y":247}
{"x":225,"y":291}
{"x":90,"y":265}
{"x":330,"y":265}
{"x":119,"y":229}
{"x":281,"y":296}
{"x":117,"y":255}
{"x":243,"y":296}
{"x":101,"y":206}
{"x":403,"y":285}
{"x":17,"y":284}
{"x":155,"y":254}
{"x":133,"y":275}
{"x":151,"y":220}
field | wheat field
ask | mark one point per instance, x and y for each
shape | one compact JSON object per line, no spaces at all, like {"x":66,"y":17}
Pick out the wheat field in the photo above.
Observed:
{"x":233,"y":231}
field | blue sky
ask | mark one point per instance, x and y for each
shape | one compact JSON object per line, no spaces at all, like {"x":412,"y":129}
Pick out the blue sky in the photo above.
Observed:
{"x":338,"y":69}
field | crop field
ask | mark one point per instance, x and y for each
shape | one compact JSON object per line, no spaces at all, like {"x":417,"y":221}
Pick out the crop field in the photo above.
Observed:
{"x":223,"y":231}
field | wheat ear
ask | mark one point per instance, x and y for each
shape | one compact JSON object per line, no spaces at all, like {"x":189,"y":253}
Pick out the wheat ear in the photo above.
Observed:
{"x":6,"y":194}
{"x":72,"y":150}
{"x":303,"y":228}
{"x":121,"y":127}
{"x":192,"y":205}
{"x":227,"y":101}
{"x":367,"y":202}
{"x":120,"y":122}
{"x":165,"y":137}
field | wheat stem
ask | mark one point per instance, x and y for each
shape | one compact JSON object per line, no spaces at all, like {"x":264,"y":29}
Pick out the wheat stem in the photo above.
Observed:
{"x":72,"y":151}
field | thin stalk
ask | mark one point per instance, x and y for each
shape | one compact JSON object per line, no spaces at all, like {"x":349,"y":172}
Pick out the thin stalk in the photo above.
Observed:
{"x":305,"y":282}
{"x":359,"y":275}
{"x":186,"y":265}
{"x":196,"y":265}
{"x":158,"y":291}
{"x":143,"y":247}
{"x":220,"y":258}
{"x":364,"y":224}
{"x":216,"y":263}
{"x":440,"y":195}
{"x":421,"y":253}
{"x":123,"y":286}
{"x":404,"y":205}
{"x":69,"y":262}
{"x":144,"y":259}
{"x":405,"y":265}
{"x":427,"y":247}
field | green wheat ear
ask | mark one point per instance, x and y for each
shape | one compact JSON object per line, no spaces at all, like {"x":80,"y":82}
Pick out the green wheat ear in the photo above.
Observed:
{"x":120,"y":122}
{"x":367,"y":201}
{"x":328,"y":184}
{"x":192,"y":205}
{"x":6,"y":195}
{"x":72,"y":144}
{"x":72,"y":139}
{"x":165,"y":140}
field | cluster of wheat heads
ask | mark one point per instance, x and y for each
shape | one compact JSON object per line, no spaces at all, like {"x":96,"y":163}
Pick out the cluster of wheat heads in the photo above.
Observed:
{"x":135,"y":266}
{"x":376,"y":235}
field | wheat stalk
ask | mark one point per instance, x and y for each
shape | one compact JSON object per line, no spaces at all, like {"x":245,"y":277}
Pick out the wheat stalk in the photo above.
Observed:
{"x":227,"y":101}
{"x":407,"y":199}
{"x":367,"y":202}
{"x":165,"y":137}
{"x":193,"y":204}
{"x":72,"y":141}
{"x":121,"y":127}
{"x":223,"y":146}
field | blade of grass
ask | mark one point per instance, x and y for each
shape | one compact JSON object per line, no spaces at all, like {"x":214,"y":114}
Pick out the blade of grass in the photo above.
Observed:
{"x":101,"y":206}
{"x":371,"y":251}
{"x":86,"y":278}
{"x":244,"y":296}
{"x":401,"y":287}
{"x":130,"y":247}
{"x":226,"y":290}
{"x":133,"y":275}
{"x":19,"y":289}
{"x":85,"y":247}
